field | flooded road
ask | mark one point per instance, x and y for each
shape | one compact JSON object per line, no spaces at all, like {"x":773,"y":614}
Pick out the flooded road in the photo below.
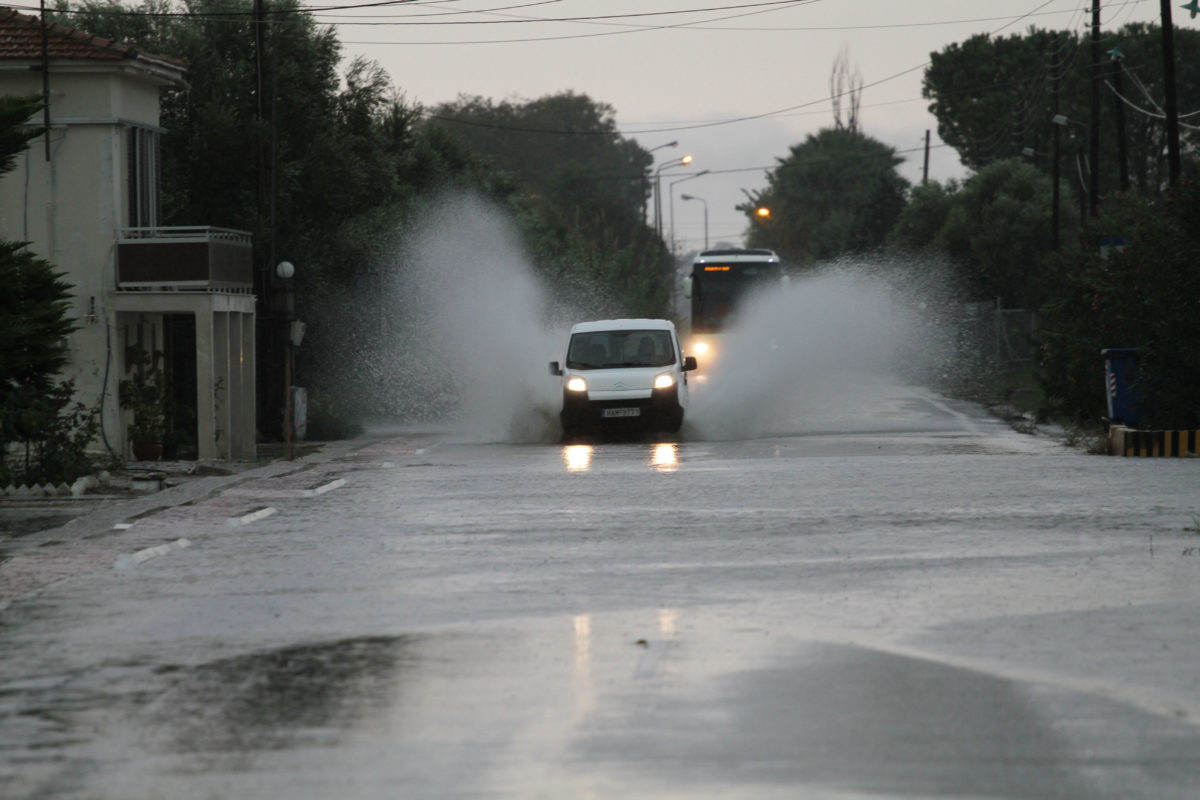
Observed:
{"x":899,"y":597}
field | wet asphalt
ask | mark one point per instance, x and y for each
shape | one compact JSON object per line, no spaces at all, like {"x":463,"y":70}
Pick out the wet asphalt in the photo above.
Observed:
{"x":902,"y":599}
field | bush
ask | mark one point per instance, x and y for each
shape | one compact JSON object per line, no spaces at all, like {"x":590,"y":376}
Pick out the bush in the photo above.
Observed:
{"x":1146,"y":297}
{"x":57,"y":431}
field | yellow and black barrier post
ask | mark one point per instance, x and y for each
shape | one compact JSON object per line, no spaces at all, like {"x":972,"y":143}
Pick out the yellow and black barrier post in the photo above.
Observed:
{"x":1124,"y":441}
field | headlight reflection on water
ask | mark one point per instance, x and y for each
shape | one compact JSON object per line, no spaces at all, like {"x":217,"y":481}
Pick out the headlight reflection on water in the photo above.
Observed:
{"x":577,"y":457}
{"x":662,"y":457}
{"x":665,"y":457}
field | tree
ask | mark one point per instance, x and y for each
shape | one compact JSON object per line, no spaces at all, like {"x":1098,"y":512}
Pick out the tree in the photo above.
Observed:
{"x":585,"y":184}
{"x":565,"y":149}
{"x":838,"y":192}
{"x":994,"y":98}
{"x":998,"y":232}
{"x":920,"y":224}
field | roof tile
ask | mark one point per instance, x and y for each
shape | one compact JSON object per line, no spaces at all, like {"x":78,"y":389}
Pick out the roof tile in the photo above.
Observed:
{"x":21,"y":39}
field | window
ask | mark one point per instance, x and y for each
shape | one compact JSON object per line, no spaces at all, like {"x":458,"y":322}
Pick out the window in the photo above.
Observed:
{"x":622,"y":348}
{"x":143,"y":162}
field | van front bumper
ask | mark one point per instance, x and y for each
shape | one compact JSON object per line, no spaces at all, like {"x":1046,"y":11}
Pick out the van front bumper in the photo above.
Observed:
{"x":660,"y":409}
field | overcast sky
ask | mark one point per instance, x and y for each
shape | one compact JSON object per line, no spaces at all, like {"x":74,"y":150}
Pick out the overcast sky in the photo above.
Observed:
{"x":735,"y":82}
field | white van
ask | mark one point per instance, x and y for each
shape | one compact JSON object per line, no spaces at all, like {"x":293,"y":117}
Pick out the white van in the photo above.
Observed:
{"x":623,"y":372}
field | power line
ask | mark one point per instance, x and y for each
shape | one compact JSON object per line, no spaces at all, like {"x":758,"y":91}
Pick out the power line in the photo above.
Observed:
{"x":249,"y":13}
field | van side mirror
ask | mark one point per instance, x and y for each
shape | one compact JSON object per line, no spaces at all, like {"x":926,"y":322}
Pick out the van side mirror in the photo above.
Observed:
{"x":555,"y":369}
{"x":689,"y":363}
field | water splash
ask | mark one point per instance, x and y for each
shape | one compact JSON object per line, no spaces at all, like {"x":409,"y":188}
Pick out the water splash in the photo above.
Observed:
{"x":465,"y":328}
{"x":795,"y":360}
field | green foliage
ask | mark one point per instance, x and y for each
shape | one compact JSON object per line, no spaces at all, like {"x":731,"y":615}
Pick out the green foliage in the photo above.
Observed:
{"x":579,"y":191}
{"x":14,"y":137}
{"x":837,"y":193}
{"x":996,"y":229}
{"x":1147,"y":297}
{"x":144,"y":393}
{"x":918,"y":227}
{"x":54,"y":433}
{"x":33,"y":330}
{"x":999,"y":230}
{"x":993,"y":98}
{"x":564,"y":149}
{"x":33,"y":319}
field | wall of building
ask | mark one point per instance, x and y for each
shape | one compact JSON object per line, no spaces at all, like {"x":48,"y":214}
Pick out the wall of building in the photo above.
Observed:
{"x":71,"y":207}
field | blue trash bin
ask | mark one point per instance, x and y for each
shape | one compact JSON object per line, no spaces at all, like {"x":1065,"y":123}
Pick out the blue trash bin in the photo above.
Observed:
{"x":1120,"y":372}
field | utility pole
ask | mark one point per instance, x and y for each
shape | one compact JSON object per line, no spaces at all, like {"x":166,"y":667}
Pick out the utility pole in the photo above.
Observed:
{"x":1172,"y":108}
{"x":1119,"y":109}
{"x":1094,"y":127}
{"x":1055,"y":166}
{"x":45,"y":80}
{"x":925,"y":171}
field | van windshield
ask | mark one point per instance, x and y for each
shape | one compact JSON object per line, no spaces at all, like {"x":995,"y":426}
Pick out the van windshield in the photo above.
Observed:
{"x":624,"y":348}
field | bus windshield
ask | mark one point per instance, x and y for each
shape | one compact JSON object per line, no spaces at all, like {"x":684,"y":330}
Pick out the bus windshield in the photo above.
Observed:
{"x":717,"y":288}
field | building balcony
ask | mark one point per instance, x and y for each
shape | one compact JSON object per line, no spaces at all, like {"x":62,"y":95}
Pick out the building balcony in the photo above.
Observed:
{"x":185,"y":259}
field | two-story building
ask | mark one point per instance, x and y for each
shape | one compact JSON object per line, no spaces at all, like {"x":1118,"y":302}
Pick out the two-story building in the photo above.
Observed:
{"x":86,"y":199}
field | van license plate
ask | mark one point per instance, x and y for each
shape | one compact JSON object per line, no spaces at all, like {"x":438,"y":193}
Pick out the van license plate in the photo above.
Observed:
{"x":610,"y":413}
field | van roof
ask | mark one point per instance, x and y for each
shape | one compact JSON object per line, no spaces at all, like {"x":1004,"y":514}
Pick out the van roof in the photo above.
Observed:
{"x":623,"y":324}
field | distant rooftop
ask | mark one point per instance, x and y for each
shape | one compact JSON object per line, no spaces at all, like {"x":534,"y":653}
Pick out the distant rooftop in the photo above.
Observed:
{"x":21,"y":40}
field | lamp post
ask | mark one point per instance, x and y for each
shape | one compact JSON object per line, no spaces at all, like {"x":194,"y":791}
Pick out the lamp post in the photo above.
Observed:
{"x":705,"y":202}
{"x":284,"y":270}
{"x":679,"y":162}
{"x":643,"y":174}
{"x":671,"y":201}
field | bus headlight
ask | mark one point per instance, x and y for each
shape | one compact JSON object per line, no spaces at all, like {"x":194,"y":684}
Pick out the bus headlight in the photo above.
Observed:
{"x":576,"y":384}
{"x":701,"y":348}
{"x":664,"y":381}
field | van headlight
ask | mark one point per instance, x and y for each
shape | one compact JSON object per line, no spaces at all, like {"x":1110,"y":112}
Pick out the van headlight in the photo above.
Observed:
{"x":664,"y":381}
{"x":576,"y":384}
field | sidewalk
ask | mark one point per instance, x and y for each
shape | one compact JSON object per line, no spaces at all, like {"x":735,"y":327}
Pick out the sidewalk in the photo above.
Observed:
{"x":91,"y":533}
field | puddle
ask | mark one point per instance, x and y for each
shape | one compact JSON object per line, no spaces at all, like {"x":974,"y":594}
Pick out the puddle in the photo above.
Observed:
{"x":277,"y":699}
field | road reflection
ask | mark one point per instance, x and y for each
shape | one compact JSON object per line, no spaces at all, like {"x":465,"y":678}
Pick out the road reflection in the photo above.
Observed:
{"x":577,"y":457}
{"x":665,"y":457}
{"x":662,"y":456}
{"x":281,"y":699}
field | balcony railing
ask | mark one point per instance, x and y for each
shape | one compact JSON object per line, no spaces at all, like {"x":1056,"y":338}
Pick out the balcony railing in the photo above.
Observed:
{"x":187,"y":258}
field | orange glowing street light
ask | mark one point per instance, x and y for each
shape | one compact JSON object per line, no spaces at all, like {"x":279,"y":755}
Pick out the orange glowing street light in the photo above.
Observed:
{"x":762,"y":212}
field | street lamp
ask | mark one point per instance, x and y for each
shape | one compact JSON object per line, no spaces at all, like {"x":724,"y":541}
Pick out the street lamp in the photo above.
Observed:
{"x":679,"y":162}
{"x":671,"y":201}
{"x":701,"y":200}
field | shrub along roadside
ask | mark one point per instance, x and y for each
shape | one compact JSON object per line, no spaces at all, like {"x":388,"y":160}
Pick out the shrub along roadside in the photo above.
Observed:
{"x":1147,"y":296}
